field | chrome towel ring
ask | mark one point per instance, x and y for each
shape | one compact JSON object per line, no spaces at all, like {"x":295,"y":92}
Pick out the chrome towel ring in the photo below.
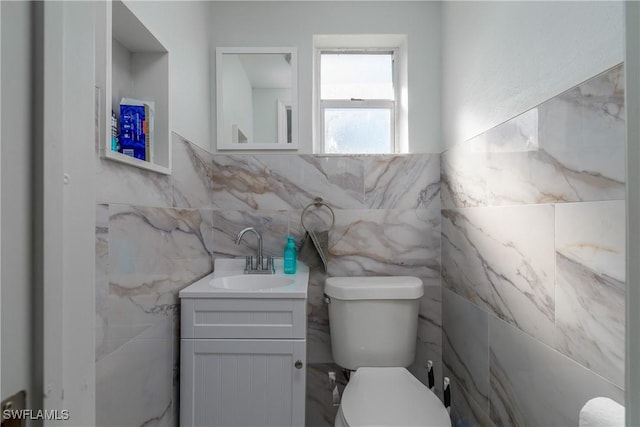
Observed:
{"x":318,"y":202}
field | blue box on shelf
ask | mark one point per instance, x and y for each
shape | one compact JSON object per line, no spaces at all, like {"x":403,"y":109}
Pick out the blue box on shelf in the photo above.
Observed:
{"x":136,"y":124}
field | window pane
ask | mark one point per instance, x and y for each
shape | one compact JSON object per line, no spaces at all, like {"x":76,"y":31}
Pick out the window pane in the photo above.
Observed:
{"x":355,"y":75}
{"x":355,"y":130}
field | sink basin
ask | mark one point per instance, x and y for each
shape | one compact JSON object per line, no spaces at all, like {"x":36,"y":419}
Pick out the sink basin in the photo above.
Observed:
{"x":229,"y":281}
{"x":249,"y":282}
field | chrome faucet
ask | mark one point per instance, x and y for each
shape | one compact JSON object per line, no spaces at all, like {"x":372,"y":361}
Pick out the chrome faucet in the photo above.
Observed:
{"x":261,"y":265}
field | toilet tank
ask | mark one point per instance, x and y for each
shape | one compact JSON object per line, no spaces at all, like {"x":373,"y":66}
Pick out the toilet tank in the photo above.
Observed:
{"x":373,"y":320}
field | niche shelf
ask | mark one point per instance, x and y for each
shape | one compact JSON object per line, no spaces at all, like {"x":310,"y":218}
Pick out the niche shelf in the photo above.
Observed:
{"x":131,"y":63}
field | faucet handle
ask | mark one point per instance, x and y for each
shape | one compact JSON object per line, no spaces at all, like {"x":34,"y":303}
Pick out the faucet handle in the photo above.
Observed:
{"x":248,"y":263}
{"x":270,"y":265}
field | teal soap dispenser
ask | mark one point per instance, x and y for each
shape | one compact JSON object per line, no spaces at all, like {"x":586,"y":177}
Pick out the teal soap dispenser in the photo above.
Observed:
{"x":290,"y":256}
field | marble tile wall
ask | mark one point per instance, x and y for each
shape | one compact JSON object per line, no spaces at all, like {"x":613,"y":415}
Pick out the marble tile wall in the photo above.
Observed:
{"x":533,"y":262}
{"x":387,"y":222}
{"x":320,"y":410}
{"x":156,"y":234}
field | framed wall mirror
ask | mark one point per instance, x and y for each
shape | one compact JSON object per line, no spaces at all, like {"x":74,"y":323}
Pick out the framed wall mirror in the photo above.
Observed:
{"x":256,"y":98}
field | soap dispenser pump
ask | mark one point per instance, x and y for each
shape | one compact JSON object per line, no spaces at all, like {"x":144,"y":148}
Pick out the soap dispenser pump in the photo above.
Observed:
{"x":290,"y":256}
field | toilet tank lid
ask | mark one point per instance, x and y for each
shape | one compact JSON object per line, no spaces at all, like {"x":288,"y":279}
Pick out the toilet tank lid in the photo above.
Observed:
{"x":379,"y":287}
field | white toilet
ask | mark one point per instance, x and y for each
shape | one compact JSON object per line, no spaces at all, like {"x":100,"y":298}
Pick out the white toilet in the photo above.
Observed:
{"x":374,"y":322}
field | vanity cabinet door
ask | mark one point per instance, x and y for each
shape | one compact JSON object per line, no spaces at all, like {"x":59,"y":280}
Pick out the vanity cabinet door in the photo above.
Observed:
{"x":242,"y":382}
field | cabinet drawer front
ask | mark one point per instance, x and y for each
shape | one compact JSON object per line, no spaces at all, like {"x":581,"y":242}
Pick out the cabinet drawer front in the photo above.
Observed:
{"x":243,"y":318}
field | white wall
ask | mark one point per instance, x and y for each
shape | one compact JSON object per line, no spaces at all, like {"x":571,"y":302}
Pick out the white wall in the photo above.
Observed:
{"x":295,"y":23}
{"x":238,"y":103}
{"x":498,"y":58}
{"x":183,"y":27}
{"x":0,"y":207}
{"x":16,"y":198}
{"x":65,"y":208}
{"x":265,"y":112}
{"x":503,"y":58}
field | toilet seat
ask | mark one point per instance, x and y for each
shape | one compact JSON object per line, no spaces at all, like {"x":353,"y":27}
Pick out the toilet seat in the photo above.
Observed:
{"x":390,"y":397}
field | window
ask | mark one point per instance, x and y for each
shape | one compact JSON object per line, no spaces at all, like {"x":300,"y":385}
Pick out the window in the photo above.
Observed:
{"x":357,"y":100}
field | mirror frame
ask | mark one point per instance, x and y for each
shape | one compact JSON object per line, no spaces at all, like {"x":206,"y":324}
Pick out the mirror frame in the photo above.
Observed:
{"x":293,"y":145}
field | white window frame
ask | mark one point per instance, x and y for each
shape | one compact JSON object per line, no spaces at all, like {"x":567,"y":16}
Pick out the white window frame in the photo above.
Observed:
{"x":385,"y":104}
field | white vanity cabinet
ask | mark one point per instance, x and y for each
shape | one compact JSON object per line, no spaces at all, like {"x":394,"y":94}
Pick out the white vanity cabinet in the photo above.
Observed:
{"x":242,"y":361}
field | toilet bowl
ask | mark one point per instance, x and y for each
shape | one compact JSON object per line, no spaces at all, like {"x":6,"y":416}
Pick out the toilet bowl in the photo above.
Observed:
{"x":373,"y":322}
{"x":389,"y":397}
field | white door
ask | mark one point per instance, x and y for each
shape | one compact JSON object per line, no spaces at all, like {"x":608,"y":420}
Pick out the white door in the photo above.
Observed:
{"x":0,"y":201}
{"x":48,"y":206}
{"x":16,"y":156}
{"x":235,"y":383}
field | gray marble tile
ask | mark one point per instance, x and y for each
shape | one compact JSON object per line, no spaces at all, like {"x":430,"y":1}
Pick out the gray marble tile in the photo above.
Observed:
{"x":531,"y":177}
{"x":191,"y":174}
{"x":102,"y":240}
{"x":121,"y":183}
{"x":593,"y":234}
{"x":134,"y":384}
{"x":188,"y":186}
{"x":318,"y":343}
{"x":102,"y":316}
{"x":463,"y":178}
{"x":339,"y":180}
{"x":465,"y":412}
{"x":272,"y":225}
{"x":430,"y":309}
{"x":502,"y":260}
{"x":155,"y":240}
{"x":318,"y":336}
{"x":206,"y":229}
{"x":320,"y":411}
{"x":429,"y":338}
{"x":102,"y":279}
{"x":520,"y":134}
{"x":590,"y":294}
{"x":280,"y":182}
{"x":153,"y":253}
{"x":571,"y":148}
{"x":534,"y":385}
{"x":465,"y":347}
{"x":539,"y":177}
{"x":401,"y":181}
{"x":386,"y":242}
{"x":584,"y":128}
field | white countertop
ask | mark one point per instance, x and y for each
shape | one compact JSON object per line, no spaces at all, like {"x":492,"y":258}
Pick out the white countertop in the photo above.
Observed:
{"x":224,"y":267}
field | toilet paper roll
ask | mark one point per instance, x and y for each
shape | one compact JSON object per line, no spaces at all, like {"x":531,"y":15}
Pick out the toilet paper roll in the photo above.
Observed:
{"x":602,"y":412}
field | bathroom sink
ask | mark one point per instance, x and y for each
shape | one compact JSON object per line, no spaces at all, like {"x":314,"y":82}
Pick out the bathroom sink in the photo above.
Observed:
{"x":229,"y":281}
{"x":248,"y":282}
